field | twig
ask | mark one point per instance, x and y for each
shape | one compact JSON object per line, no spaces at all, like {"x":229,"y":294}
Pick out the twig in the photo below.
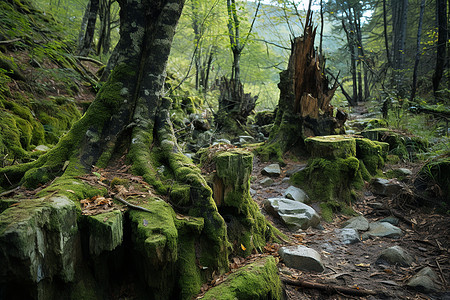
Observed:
{"x":442,"y":274}
{"x":97,"y":62}
{"x":10,"y":41}
{"x":120,"y":199}
{"x":10,"y":183}
{"x":10,"y":191}
{"x":329,"y":288}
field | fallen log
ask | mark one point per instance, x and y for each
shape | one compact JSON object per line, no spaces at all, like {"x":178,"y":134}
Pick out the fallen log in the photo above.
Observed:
{"x":329,"y":288}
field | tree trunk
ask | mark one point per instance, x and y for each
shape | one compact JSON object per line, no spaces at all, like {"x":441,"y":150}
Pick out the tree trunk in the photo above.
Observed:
{"x":304,"y":106}
{"x":86,"y":42}
{"x":130,"y":117}
{"x":386,"y":43}
{"x":441,"y":14}
{"x":351,"y":47}
{"x":418,"y":50}
{"x":399,"y":19}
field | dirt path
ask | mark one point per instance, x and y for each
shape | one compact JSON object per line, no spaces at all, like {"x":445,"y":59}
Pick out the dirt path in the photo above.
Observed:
{"x":426,"y":239}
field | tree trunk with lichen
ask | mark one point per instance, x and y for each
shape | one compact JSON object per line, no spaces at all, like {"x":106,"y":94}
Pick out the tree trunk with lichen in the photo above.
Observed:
{"x":304,"y":107}
{"x":129,"y":117}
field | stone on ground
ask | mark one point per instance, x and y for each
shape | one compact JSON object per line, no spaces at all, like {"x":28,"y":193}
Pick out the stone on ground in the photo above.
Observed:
{"x":425,"y":280}
{"x":302,"y":258}
{"x":294,"y":214}
{"x":258,"y":280}
{"x":266,"y":182}
{"x":358,"y":223}
{"x":296,"y":194}
{"x":348,"y":235}
{"x":385,"y":187}
{"x":382,"y":229}
{"x":395,"y":255}
{"x":272,"y":170}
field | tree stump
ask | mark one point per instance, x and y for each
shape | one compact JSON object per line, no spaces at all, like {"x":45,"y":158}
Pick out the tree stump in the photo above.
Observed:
{"x":304,"y":107}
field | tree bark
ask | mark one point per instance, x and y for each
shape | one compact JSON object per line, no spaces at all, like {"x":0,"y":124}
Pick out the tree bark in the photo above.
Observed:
{"x":441,"y":15}
{"x":399,"y":20}
{"x":86,"y":42}
{"x":418,"y":50}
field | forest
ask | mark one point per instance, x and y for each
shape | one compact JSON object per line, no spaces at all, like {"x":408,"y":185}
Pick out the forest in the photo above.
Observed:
{"x":192,"y":149}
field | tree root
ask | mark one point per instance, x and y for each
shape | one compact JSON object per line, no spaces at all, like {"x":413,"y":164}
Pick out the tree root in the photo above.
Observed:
{"x":331,"y":289}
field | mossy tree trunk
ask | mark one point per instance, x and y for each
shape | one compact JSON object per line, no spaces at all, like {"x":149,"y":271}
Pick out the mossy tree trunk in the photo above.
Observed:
{"x":304,"y":107}
{"x":130,"y":116}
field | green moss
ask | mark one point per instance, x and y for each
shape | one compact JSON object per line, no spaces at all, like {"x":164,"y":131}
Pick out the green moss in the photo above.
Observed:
{"x":330,"y":180}
{"x":119,"y":181}
{"x":105,"y":231}
{"x":371,"y":154}
{"x":258,"y":280}
{"x":270,"y":152}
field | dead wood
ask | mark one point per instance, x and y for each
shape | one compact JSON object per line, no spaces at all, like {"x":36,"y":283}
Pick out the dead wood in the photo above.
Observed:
{"x":10,"y":41}
{"x":329,"y":288}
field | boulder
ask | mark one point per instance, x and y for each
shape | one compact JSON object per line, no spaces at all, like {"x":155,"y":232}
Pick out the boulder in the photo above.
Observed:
{"x":382,"y":229}
{"x":296,"y":194}
{"x":272,"y":170}
{"x":395,"y":256}
{"x":302,"y":258}
{"x":105,"y":231}
{"x":358,"y":223}
{"x":294,"y":214}
{"x":424,"y":280}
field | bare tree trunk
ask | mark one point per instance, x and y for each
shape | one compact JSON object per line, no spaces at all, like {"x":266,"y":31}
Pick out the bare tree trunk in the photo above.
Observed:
{"x":418,"y":50}
{"x":85,"y":46}
{"x":399,"y":20}
{"x":351,"y":47}
{"x":386,"y":43}
{"x":441,"y":13}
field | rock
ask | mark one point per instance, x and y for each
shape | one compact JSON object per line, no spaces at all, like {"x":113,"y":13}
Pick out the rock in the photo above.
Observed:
{"x":272,"y":170}
{"x":252,"y":192}
{"x":285,"y":180}
{"x":294,"y":170}
{"x":246,"y":139}
{"x":266,"y":182}
{"x":424,"y":280}
{"x":348,"y":235}
{"x":189,"y":155}
{"x":382,"y":229}
{"x":385,"y":187}
{"x":296,"y":194}
{"x":391,"y":219}
{"x":258,"y":280}
{"x":395,"y":256}
{"x":376,"y":205}
{"x":222,"y":141}
{"x":42,"y":148}
{"x":358,"y":223}
{"x":302,"y":258}
{"x":294,"y":214}
{"x":404,"y":171}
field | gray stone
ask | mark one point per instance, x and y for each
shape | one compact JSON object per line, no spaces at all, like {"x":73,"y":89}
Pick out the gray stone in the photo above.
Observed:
{"x":285,"y":180}
{"x":358,"y":223}
{"x":302,"y":258}
{"x":391,"y":219}
{"x":425,"y":280}
{"x":294,"y":214}
{"x":348,"y":235}
{"x":385,"y":187}
{"x":245,"y":139}
{"x":395,"y":256}
{"x":252,"y":192}
{"x":404,"y":171}
{"x":296,"y":194}
{"x":265,"y":182}
{"x":272,"y":170}
{"x":42,"y":148}
{"x":294,"y":170}
{"x":382,"y":229}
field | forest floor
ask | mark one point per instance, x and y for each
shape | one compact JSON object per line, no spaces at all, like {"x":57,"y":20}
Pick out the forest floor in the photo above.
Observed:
{"x":426,"y":239}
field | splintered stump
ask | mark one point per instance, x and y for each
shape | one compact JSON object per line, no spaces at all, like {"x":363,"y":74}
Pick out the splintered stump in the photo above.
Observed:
{"x":304,"y":107}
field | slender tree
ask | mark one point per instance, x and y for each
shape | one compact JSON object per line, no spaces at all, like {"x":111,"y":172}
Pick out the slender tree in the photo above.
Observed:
{"x":441,"y":15}
{"x":418,"y":51}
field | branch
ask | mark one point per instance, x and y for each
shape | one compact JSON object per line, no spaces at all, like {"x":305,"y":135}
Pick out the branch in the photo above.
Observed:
{"x":10,"y":41}
{"x":97,"y":62}
{"x":120,"y":199}
{"x":329,"y":288}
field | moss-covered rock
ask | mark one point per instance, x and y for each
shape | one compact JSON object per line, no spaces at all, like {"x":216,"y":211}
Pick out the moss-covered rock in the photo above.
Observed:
{"x":258,"y":280}
{"x":371,"y":154}
{"x":105,"y":231}
{"x":433,"y":182}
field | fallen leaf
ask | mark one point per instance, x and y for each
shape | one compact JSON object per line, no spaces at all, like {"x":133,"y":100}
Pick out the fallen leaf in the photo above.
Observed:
{"x":243,"y":247}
